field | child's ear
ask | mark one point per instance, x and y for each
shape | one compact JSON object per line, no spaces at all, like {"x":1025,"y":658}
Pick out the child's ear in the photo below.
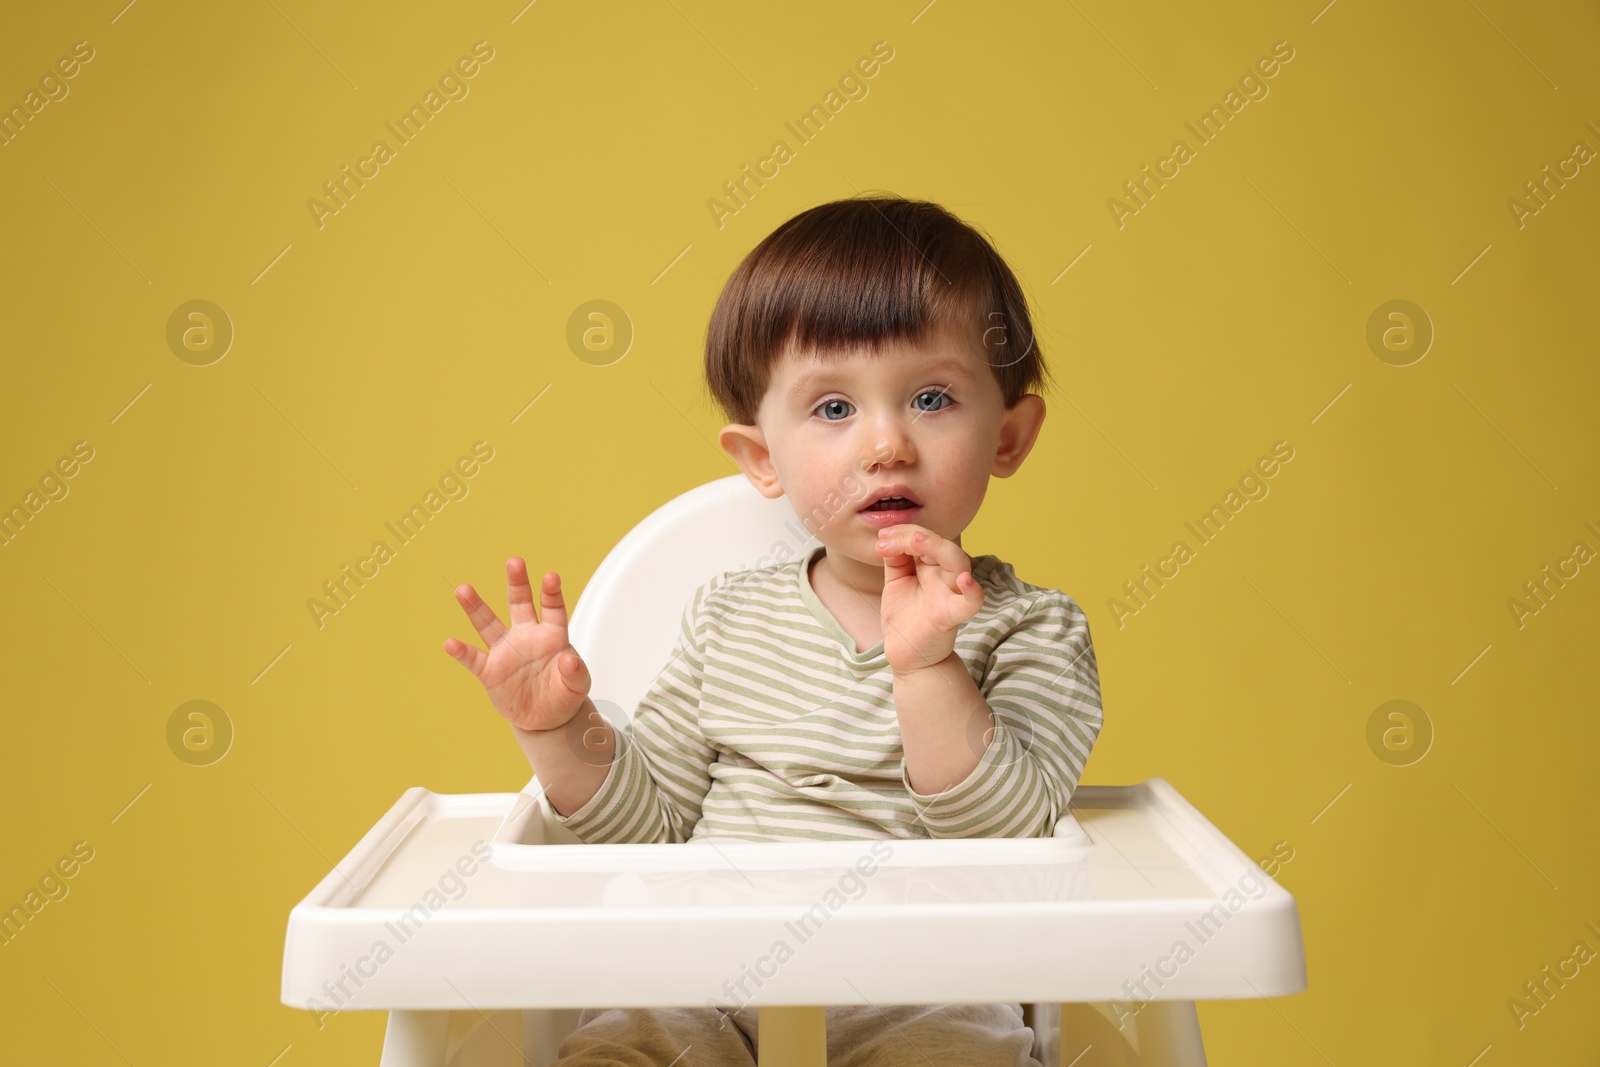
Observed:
{"x":748,"y":447}
{"x":1019,"y":429}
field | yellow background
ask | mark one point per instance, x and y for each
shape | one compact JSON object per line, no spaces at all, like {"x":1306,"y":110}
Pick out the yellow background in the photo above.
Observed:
{"x":425,"y":316}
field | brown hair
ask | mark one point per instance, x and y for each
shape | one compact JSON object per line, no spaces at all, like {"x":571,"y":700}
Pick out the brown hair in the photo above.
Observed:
{"x":859,"y":272}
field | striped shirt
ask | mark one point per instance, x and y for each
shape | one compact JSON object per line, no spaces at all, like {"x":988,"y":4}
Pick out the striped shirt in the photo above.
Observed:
{"x":768,"y":725}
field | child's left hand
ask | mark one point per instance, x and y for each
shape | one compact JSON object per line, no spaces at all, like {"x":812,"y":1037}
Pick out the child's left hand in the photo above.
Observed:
{"x":928,"y":592}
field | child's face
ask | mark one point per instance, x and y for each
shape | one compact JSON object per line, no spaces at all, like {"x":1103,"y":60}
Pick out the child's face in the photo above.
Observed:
{"x":831,"y":434}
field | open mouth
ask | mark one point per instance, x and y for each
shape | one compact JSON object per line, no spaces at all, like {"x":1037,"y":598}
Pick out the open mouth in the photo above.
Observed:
{"x":893,"y":503}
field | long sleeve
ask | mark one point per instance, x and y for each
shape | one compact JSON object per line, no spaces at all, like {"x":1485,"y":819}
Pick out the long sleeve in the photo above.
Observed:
{"x":1043,"y":684}
{"x":661,"y":771}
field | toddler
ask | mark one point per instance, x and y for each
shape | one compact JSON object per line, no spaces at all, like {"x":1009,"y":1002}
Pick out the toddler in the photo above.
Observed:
{"x":878,"y":361}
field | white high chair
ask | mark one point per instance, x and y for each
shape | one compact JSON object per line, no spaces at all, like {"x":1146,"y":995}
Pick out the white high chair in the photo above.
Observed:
{"x":458,"y":910}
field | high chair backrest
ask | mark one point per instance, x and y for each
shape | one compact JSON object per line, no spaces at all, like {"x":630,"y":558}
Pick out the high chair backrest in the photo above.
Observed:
{"x":626,"y":622}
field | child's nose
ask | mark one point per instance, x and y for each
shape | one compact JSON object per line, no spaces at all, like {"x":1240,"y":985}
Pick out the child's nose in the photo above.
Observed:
{"x":890,"y":444}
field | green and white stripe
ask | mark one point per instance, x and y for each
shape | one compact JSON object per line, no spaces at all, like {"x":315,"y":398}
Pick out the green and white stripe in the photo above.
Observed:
{"x":768,"y":725}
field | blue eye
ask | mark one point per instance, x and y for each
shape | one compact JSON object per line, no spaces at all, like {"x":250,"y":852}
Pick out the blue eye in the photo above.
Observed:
{"x":830,"y":403}
{"x":941,"y":401}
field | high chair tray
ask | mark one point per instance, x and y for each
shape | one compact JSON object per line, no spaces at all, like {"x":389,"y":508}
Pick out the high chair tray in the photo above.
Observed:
{"x":459,"y":902}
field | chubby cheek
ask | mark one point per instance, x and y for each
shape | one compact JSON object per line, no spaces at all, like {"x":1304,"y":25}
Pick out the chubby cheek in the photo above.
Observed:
{"x":958,"y":489}
{"x":823,"y":486}
{"x":805,"y":488}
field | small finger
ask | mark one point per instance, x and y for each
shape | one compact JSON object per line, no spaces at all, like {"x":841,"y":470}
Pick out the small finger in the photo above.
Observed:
{"x":519,"y":597}
{"x":552,"y":604}
{"x":471,"y":657}
{"x":484,"y":620}
{"x":942,"y":552}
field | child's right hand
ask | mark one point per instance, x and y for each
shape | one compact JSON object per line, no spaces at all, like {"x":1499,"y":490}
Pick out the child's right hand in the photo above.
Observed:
{"x":533,"y":675}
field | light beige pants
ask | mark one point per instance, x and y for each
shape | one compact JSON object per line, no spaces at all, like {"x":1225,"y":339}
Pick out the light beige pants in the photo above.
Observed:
{"x":894,"y":1035}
